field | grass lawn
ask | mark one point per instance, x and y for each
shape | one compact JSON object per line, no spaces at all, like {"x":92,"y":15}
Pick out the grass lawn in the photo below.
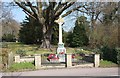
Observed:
{"x":22,"y":66}
{"x":29,"y":49}
{"x":104,"y":63}
{"x":32,"y":49}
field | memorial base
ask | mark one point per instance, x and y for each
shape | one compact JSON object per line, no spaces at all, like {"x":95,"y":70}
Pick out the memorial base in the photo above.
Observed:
{"x":61,"y":50}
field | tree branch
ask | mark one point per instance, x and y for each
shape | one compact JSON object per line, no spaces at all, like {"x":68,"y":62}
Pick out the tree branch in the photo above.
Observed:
{"x":29,"y":14}
{"x":23,"y":7}
{"x":59,"y":12}
{"x":100,"y":20}
{"x":31,"y":7}
{"x":70,"y":11}
{"x":97,"y":15}
{"x":39,"y":6}
{"x":59,"y":6}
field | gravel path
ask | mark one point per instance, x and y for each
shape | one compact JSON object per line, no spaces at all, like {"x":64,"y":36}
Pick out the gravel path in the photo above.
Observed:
{"x":69,"y":72}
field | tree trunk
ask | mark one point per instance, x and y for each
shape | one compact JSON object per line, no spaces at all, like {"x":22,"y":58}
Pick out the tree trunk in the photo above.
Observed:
{"x":46,"y":38}
{"x":46,"y":42}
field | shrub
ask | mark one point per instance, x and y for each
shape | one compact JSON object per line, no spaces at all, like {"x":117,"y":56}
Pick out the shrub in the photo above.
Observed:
{"x":4,"y":45}
{"x":8,"y":37}
{"x":118,"y":55}
{"x":21,"y":52}
{"x":105,"y":63}
{"x":109,"y":53}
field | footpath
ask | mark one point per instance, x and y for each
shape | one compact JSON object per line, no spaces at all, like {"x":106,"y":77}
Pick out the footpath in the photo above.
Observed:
{"x":69,"y":72}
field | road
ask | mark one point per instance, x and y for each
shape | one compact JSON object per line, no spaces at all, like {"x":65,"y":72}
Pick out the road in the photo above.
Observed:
{"x":68,"y":72}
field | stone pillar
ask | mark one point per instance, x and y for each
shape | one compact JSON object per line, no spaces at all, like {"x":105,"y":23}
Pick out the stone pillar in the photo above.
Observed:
{"x":68,"y":60}
{"x":37,"y":61}
{"x":96,"y":60}
{"x":17,"y":59}
{"x":60,"y":21}
{"x":60,"y":33}
{"x":10,"y":59}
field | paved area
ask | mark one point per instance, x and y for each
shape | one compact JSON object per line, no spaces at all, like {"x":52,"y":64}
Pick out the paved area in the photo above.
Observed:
{"x":68,"y":72}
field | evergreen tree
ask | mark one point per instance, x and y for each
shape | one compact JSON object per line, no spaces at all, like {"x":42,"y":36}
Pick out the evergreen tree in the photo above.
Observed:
{"x":30,"y":33}
{"x":68,"y":38}
{"x":55,"y":34}
{"x":79,"y":37}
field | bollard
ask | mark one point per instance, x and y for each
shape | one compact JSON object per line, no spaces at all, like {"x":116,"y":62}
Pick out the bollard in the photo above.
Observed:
{"x":37,"y":61}
{"x":68,"y":60}
{"x":96,"y":60}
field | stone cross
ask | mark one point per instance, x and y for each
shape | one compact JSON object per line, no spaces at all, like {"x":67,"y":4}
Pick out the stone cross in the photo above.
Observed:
{"x":60,"y":21}
{"x":61,"y":50}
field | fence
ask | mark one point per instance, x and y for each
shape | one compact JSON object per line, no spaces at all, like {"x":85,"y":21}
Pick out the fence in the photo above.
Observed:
{"x":47,"y":60}
{"x":19,"y":59}
{"x":51,"y":60}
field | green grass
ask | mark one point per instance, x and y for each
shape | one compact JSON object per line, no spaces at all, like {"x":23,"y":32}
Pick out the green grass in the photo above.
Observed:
{"x":22,"y":66}
{"x":104,"y":63}
{"x":29,"y":49}
{"x":32,"y":49}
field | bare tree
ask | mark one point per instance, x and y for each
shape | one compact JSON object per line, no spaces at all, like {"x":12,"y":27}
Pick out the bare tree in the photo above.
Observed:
{"x":8,"y":24}
{"x":104,"y":33}
{"x":97,"y":12}
{"x":6,"y":10}
{"x":5,"y":14}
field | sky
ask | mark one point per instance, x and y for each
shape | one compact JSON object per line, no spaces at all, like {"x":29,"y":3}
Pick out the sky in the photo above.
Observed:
{"x":18,"y":14}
